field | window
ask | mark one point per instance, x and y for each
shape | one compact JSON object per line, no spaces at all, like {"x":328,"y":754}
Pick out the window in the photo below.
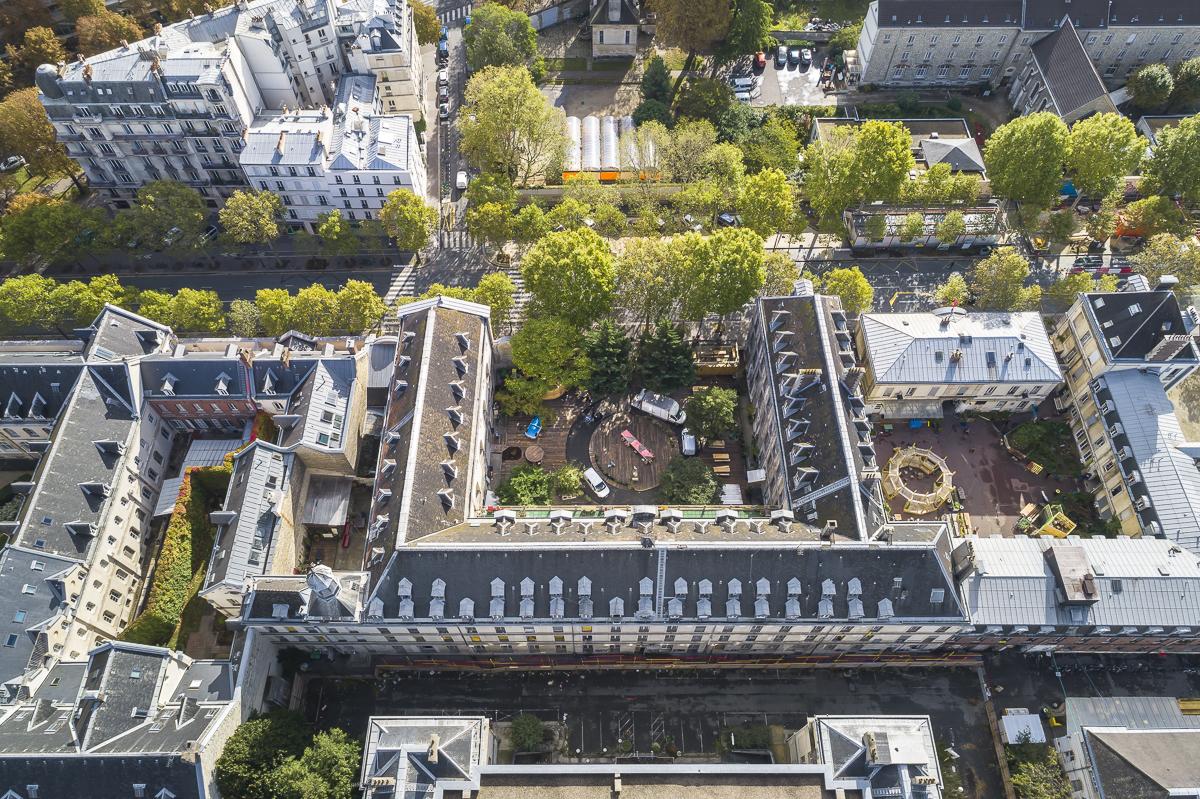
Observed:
{"x":928,"y":56}
{"x":979,"y":40}
{"x":987,"y":72}
{"x":37,"y":566}
{"x":19,"y":617}
{"x":904,"y":57}
{"x":911,"y":38}
{"x":28,"y":589}
{"x":943,"y":71}
{"x":964,"y":73}
{"x":921,"y":72}
{"x":11,"y":640}
{"x":957,"y":38}
{"x":933,"y":39}
{"x":1004,"y":38}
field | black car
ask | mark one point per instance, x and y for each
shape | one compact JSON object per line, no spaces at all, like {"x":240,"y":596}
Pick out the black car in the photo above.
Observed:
{"x":794,"y":56}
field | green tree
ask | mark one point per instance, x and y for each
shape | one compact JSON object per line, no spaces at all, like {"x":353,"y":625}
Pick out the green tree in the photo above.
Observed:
{"x":256,"y":747}
{"x":156,"y":305}
{"x":875,"y":227}
{"x":735,"y":125}
{"x":167,"y":205}
{"x":711,"y":412}
{"x":527,"y":733}
{"x":567,"y":481}
{"x":408,"y":219}
{"x":684,"y":152}
{"x":74,"y":9}
{"x":49,"y":229}
{"x":849,"y":285}
{"x":25,"y":130}
{"x":522,"y":396}
{"x":502,"y":37}
{"x":952,"y":227}
{"x":664,"y":360}
{"x":1025,"y":159}
{"x":649,"y":110}
{"x":530,"y":224}
{"x":252,"y":217}
{"x":243,"y":319}
{"x":568,"y":215}
{"x":570,"y":274}
{"x":490,"y":222}
{"x":609,"y":221}
{"x":587,"y":189}
{"x":703,"y":99}
{"x":1103,"y":223}
{"x":1040,"y":778}
{"x":998,"y":283}
{"x":913,"y":226}
{"x":691,"y":25}
{"x":687,"y":481}
{"x":1187,"y":83}
{"x":26,"y":301}
{"x":496,"y":290}
{"x":772,"y":146}
{"x":507,"y":126}
{"x":1175,"y":165}
{"x":656,"y":80}
{"x":750,"y":29}
{"x":6,"y":77}
{"x":882,"y":158}
{"x":953,"y":292}
{"x":780,"y":275}
{"x":1060,"y":226}
{"x":607,"y":348}
{"x":105,"y":30}
{"x":315,"y":310}
{"x":701,"y":199}
{"x":647,"y":284}
{"x":198,"y":310}
{"x":551,"y":349}
{"x":359,"y":307}
{"x":1167,"y":254}
{"x":491,"y":187}
{"x":723,"y":165}
{"x":720,"y":273}
{"x":38,"y":46}
{"x":335,"y":232}
{"x":1151,"y":86}
{"x":829,"y":177}
{"x":766,"y":203}
{"x":1062,"y":292}
{"x":425,"y":20}
{"x":1153,"y":215}
{"x":525,"y":485}
{"x":940,"y":185}
{"x":1101,"y":150}
{"x":276,"y":308}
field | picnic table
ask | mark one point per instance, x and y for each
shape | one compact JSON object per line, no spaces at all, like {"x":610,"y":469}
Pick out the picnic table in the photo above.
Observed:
{"x":637,"y":446}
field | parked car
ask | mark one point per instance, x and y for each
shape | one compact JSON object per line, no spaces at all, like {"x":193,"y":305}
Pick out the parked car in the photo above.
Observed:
{"x":687,"y":442}
{"x":659,"y":406}
{"x":11,"y":163}
{"x":444,"y":34}
{"x":461,"y":180}
{"x":743,"y":97}
{"x":209,"y":234}
{"x":443,"y":78}
{"x":760,"y":60}
{"x":596,"y":483}
{"x":444,"y":111}
{"x":443,"y":94}
{"x":805,"y":56}
{"x":793,"y":56}
{"x":172,"y":236}
{"x":743,"y":83}
{"x":727,"y":219}
{"x":443,"y":50}
{"x":781,"y":56}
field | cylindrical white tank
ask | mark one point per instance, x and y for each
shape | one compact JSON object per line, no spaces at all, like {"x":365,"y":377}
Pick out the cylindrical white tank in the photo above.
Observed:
{"x":609,"y":160}
{"x":629,"y":154}
{"x":589,"y":151}
{"x":574,"y":128}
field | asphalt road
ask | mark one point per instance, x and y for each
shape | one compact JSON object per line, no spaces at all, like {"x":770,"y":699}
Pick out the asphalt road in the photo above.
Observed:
{"x":600,"y":708}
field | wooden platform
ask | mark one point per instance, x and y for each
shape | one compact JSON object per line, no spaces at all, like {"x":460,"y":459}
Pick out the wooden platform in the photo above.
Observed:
{"x":618,"y":461}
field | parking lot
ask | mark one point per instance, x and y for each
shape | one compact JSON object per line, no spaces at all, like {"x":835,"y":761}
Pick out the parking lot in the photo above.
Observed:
{"x":790,"y":84}
{"x":602,"y":710}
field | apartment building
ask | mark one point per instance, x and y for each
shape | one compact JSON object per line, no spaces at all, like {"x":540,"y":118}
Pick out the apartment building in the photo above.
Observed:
{"x":918,"y":365}
{"x":939,"y":43}
{"x":1121,"y":352}
{"x":183,"y":103}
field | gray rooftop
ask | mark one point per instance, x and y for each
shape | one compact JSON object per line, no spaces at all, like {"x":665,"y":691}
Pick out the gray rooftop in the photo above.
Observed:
{"x":961,"y":154}
{"x":1146,"y":765}
{"x":1040,"y":15}
{"x":953,"y":347}
{"x":322,"y":405}
{"x":31,"y":595}
{"x":244,"y":544}
{"x":1071,"y":77}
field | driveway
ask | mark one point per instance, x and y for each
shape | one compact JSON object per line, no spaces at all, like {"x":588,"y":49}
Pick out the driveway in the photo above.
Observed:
{"x":602,"y":99}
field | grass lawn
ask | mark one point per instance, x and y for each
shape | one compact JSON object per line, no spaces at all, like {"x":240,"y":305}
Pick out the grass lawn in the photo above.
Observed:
{"x":676,"y":59}
{"x":1048,"y":443}
{"x":570,"y":64}
{"x":612,"y":64}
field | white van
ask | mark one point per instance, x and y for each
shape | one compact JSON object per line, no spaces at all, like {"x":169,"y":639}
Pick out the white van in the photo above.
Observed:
{"x":747,"y":84}
{"x":659,"y":406}
{"x":596,"y":482}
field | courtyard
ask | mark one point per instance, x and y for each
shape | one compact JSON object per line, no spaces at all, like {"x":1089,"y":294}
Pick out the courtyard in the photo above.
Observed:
{"x":993,"y":484}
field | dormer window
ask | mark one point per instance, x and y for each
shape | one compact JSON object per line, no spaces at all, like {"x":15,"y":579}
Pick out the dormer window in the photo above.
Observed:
{"x":168,"y":384}
{"x":222,"y":386}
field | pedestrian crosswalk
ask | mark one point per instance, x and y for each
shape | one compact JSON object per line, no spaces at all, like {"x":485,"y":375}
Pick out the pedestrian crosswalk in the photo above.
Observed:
{"x":454,"y":14}
{"x":520,"y":296}
{"x":456,"y":240}
{"x":404,"y":283}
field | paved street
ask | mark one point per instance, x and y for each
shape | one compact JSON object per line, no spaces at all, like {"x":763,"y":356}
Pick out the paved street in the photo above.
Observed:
{"x":690,"y":707}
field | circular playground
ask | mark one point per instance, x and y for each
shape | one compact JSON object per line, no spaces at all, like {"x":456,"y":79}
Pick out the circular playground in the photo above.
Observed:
{"x":919,"y":477}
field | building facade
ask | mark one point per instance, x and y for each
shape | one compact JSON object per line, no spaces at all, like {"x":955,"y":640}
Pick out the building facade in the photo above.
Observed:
{"x":918,"y":364}
{"x":1120,"y":352}
{"x":181,"y":104}
{"x":936,"y":43}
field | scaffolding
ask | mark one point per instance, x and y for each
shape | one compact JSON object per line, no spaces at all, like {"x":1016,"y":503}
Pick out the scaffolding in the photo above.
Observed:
{"x":918,"y":503}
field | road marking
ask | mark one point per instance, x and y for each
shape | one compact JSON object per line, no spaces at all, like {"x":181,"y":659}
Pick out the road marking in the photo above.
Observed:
{"x":455,"y":14}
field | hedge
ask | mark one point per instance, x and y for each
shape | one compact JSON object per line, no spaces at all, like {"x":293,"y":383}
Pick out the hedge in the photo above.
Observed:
{"x":184,"y":554}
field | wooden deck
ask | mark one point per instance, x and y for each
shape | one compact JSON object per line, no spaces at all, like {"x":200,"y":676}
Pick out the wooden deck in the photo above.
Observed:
{"x":618,"y":461}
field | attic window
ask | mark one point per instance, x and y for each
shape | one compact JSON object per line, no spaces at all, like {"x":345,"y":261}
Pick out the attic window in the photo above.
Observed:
{"x":193,"y":685}
{"x":135,"y":674}
{"x":37,"y":566}
{"x":937,"y":595}
{"x":1135,"y":309}
{"x":1098,"y":302}
{"x":1115,"y":341}
{"x":28,"y":589}
{"x":139,"y":790}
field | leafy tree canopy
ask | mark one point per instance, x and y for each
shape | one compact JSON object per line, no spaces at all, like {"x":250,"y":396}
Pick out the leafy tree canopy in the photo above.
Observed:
{"x":1175,"y":165}
{"x":711,"y":412}
{"x":1151,"y":86}
{"x":1025,"y":158}
{"x":571,"y":274}
{"x":688,"y":481}
{"x":500,"y":37}
{"x":998,"y":283}
{"x":1101,"y":150}
{"x":551,"y":349}
{"x":508,"y":126}
{"x":607,"y":348}
{"x":408,"y":219}
{"x":849,"y":285}
{"x":252,"y":217}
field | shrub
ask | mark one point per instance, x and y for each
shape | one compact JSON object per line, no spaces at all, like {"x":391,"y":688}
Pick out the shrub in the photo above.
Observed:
{"x":528,"y":732}
{"x":527,"y":485}
{"x":688,"y":481}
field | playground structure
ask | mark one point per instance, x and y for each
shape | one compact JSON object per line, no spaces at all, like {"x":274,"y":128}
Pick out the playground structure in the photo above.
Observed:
{"x":1050,"y":521}
{"x":927,"y":462}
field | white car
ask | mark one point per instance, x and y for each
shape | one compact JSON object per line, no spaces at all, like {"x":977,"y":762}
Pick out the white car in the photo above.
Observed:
{"x":461,"y":180}
{"x":443,"y":78}
{"x":659,"y":406}
{"x":687,"y":442}
{"x":596,"y":483}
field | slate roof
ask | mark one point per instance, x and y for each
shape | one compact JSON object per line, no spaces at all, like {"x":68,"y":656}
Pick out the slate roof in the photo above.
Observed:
{"x":1142,"y":583}
{"x":905,"y":348}
{"x":399,"y":748}
{"x":810,"y":368}
{"x":272,"y":377}
{"x":75,"y":475}
{"x":35,"y":390}
{"x":120,"y":334}
{"x":322,"y":403}
{"x":1047,"y":14}
{"x":198,"y":375}
{"x":1169,"y":477}
{"x":1070,"y":76}
{"x":952,"y":13}
{"x":961,"y":154}
{"x":1039,"y":15}
{"x":627,"y":13}
{"x":99,"y":777}
{"x":428,"y":424}
{"x":244,"y":545}
{"x":28,"y":601}
{"x":631,"y":573}
{"x":285,"y":141}
{"x":364,"y":139}
{"x":1131,"y":324}
{"x":1145,"y":765}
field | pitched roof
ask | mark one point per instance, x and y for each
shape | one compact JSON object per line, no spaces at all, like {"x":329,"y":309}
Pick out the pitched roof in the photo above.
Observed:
{"x":961,"y":154}
{"x":615,"y":12}
{"x":1070,"y":76}
{"x":1146,"y":765}
{"x":1131,"y":325}
{"x":955,"y":347}
{"x":954,"y":13}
